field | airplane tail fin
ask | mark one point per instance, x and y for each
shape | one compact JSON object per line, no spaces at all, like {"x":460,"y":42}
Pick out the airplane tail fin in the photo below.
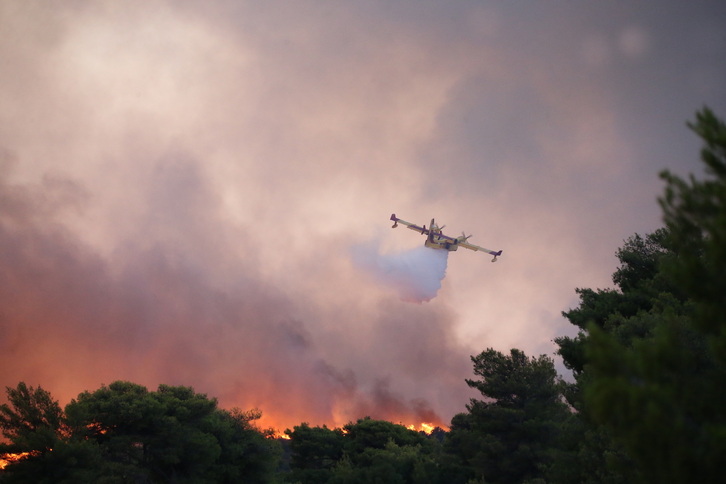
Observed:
{"x":496,"y":254}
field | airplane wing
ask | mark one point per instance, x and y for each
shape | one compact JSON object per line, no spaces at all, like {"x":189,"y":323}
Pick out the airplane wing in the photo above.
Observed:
{"x":409,"y":225}
{"x":456,"y":241}
{"x":475,"y":248}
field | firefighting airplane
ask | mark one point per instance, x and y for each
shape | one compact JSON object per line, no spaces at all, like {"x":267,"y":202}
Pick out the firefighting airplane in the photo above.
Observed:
{"x":437,"y":240}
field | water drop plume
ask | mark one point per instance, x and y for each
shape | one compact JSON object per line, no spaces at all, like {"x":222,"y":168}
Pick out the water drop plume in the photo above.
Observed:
{"x":415,"y":274}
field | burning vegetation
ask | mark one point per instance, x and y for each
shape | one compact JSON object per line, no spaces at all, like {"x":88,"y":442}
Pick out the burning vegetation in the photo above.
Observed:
{"x":11,"y":457}
{"x":424,"y":427}
{"x":124,"y":429}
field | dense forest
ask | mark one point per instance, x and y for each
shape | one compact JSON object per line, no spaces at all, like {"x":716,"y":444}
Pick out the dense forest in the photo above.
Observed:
{"x":646,"y":404}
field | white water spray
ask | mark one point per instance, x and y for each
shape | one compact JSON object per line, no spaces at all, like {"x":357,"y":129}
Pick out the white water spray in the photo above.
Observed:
{"x":416,"y":274}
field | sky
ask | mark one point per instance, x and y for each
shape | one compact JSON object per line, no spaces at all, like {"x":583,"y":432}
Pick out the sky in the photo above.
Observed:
{"x":199,"y":193}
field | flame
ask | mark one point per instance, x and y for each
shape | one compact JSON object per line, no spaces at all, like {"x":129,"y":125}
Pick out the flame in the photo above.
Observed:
{"x":277,"y":434}
{"x":425,"y":427}
{"x":10,"y":457}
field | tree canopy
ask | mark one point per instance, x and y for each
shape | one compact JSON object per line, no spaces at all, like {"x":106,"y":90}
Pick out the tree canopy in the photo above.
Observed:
{"x":649,"y":361}
{"x":512,"y":434}
{"x":125,"y":433}
{"x":32,"y":420}
{"x":364,"y":451}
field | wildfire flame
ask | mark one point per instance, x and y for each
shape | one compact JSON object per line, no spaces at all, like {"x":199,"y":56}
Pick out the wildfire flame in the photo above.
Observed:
{"x":425,"y":427}
{"x":9,"y":458}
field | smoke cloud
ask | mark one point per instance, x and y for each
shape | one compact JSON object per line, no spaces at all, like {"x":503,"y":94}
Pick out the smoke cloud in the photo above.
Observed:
{"x":171,"y":308}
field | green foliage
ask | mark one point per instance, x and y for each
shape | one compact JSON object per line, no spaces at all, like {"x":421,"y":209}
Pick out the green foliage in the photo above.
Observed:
{"x":173,"y":434}
{"x":365,"y":451}
{"x":643,"y":288}
{"x":394,"y":464}
{"x":662,"y":395}
{"x":515,"y":381}
{"x":71,"y":461}
{"x":369,"y":433}
{"x":125,"y":433}
{"x":513,"y":435}
{"x":315,"y":451}
{"x":695,"y":213}
{"x":166,"y":433}
{"x":655,"y":395}
{"x":650,"y":358}
{"x":32,"y":421}
{"x":248,"y":454}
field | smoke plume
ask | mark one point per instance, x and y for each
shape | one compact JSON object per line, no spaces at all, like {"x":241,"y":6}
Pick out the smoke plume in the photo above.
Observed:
{"x":179,"y":307}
